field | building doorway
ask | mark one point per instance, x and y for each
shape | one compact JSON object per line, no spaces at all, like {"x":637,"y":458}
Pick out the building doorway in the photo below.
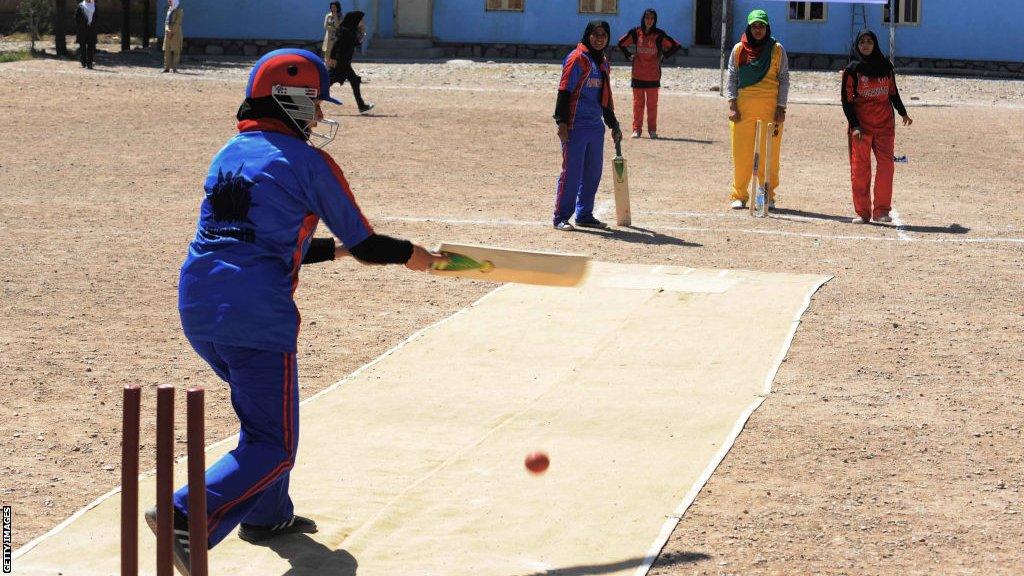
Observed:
{"x":704,"y":33}
{"x":414,"y":18}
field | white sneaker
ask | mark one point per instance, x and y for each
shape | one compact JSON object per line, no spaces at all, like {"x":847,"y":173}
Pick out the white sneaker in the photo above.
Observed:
{"x":858,"y":220}
{"x":636,"y":134}
{"x":738,"y":205}
{"x":885,"y":219}
{"x":653,"y":135}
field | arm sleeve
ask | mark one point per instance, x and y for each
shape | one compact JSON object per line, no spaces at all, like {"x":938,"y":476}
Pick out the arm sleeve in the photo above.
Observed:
{"x":894,"y":97}
{"x":624,"y":43}
{"x":609,"y":118}
{"x":783,"y":77}
{"x":329,"y":196}
{"x":562,"y":107}
{"x":570,"y":77}
{"x":381,"y":249}
{"x":672,"y":46}
{"x":847,"y":94}
{"x":320,"y":250}
{"x":732,"y":86}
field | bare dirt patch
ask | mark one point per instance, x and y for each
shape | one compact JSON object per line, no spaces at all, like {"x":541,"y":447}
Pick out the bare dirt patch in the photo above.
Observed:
{"x":892,"y":442}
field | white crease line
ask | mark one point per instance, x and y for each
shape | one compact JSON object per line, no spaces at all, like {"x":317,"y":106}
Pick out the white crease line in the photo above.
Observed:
{"x":538,"y":223}
{"x":900,"y":226}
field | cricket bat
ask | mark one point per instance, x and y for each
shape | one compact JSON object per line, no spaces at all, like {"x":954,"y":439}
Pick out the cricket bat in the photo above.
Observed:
{"x":508,"y":265}
{"x":755,"y":186}
{"x":621,"y":177}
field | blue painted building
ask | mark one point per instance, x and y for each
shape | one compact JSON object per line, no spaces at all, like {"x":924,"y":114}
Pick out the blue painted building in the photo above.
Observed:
{"x":933,"y":29}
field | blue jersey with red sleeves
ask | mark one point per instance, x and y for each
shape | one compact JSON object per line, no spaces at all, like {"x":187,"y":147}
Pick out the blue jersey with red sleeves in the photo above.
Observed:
{"x":587,"y":84}
{"x":266,"y":191}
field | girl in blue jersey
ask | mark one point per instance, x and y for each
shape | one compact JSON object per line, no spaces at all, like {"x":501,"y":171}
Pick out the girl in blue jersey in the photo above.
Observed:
{"x":266,"y":190}
{"x":583,"y":108}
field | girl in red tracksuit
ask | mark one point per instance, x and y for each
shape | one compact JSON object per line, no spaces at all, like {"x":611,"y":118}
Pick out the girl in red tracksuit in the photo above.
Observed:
{"x":869,"y":95}
{"x":651,"y":45}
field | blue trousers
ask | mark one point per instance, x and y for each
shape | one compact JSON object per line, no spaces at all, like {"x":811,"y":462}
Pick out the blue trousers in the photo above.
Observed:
{"x":250,"y":483}
{"x":582,"y":163}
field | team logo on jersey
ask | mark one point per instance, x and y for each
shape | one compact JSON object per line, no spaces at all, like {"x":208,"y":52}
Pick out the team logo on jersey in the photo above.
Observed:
{"x":231,"y":197}
{"x":594,"y":82}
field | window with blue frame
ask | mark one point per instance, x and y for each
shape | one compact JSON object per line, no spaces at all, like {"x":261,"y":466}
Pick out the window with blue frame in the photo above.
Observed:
{"x":907,"y":12}
{"x":505,"y":5}
{"x":807,"y":11}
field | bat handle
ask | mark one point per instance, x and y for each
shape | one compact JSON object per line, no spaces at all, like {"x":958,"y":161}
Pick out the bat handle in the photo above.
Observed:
{"x":618,"y":149}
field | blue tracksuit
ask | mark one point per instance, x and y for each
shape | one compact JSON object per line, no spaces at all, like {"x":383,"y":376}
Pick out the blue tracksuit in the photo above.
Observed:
{"x":583,"y":154}
{"x":266,"y":190}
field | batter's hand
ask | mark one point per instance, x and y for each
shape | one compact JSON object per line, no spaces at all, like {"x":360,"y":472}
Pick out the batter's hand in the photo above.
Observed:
{"x":907,"y":120}
{"x":563,"y":132}
{"x":780,"y":114}
{"x":423,"y":259}
{"x":857,"y":134}
{"x":617,"y":135}
{"x":734,"y":111}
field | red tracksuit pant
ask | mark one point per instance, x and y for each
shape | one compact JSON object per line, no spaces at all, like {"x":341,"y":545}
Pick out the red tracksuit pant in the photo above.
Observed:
{"x":882,"y":145}
{"x":645,"y":97}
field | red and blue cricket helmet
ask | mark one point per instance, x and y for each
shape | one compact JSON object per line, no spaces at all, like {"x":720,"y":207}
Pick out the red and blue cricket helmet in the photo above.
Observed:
{"x":291,"y":67}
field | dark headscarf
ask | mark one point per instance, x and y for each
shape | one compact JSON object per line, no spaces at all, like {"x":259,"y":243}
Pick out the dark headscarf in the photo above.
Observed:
{"x":643,"y":19}
{"x":597,"y":55}
{"x":874,"y":65}
{"x":352,"y":19}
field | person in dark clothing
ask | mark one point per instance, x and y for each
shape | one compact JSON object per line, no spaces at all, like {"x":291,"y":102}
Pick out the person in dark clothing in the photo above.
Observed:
{"x":651,"y":46}
{"x":350,"y":35}
{"x":85,"y":22}
{"x":869,"y":95}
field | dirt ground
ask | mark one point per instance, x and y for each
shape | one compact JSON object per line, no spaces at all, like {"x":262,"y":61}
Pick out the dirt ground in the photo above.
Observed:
{"x":892,"y":442}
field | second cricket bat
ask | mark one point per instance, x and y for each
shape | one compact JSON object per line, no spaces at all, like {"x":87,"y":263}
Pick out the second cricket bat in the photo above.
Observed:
{"x":621,"y":177}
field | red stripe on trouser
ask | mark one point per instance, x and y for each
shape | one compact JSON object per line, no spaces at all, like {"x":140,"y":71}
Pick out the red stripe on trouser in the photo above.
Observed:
{"x":561,"y":179}
{"x":645,"y":98}
{"x":882,"y":146}
{"x":281,"y":468}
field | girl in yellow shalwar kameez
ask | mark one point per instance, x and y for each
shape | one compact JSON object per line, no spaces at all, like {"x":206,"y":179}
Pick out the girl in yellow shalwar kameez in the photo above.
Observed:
{"x":758,"y":89}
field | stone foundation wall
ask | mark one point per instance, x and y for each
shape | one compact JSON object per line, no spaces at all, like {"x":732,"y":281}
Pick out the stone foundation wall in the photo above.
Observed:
{"x":798,"y":61}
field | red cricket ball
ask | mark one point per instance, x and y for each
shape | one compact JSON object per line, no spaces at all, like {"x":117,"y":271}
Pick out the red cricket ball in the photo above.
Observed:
{"x":537,"y":462}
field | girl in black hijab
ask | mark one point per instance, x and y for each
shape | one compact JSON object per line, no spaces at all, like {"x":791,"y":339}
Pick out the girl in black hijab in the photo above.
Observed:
{"x":869,"y":95}
{"x":350,"y":35}
{"x":582,"y":110}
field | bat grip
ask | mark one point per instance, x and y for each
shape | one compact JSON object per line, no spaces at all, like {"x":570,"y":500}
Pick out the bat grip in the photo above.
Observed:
{"x":618,"y":149}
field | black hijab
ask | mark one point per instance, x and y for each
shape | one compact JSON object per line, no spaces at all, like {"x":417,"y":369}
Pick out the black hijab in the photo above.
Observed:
{"x":352,"y":19}
{"x":874,"y":65}
{"x":597,"y":55}
{"x":643,"y":19}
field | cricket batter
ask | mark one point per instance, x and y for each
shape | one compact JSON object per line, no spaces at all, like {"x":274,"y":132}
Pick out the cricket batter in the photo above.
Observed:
{"x":584,"y":102}
{"x":758,"y":89}
{"x":266,"y":191}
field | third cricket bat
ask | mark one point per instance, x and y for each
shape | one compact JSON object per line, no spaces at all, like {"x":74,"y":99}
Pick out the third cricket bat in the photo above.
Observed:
{"x":621,"y":177}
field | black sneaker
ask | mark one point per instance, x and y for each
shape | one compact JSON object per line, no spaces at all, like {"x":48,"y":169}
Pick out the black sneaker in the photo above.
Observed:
{"x":564,"y":226}
{"x":591,"y":223}
{"x":180,"y":545}
{"x":365,"y":109}
{"x":254,"y":533}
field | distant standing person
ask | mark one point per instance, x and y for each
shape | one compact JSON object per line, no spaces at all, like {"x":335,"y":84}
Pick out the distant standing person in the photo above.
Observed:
{"x":869,"y":95}
{"x":331,"y":23}
{"x":758,"y":89}
{"x":651,"y":46}
{"x":85,"y":22}
{"x":350,"y":35}
{"x":583,"y":108}
{"x":172,"y":36}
